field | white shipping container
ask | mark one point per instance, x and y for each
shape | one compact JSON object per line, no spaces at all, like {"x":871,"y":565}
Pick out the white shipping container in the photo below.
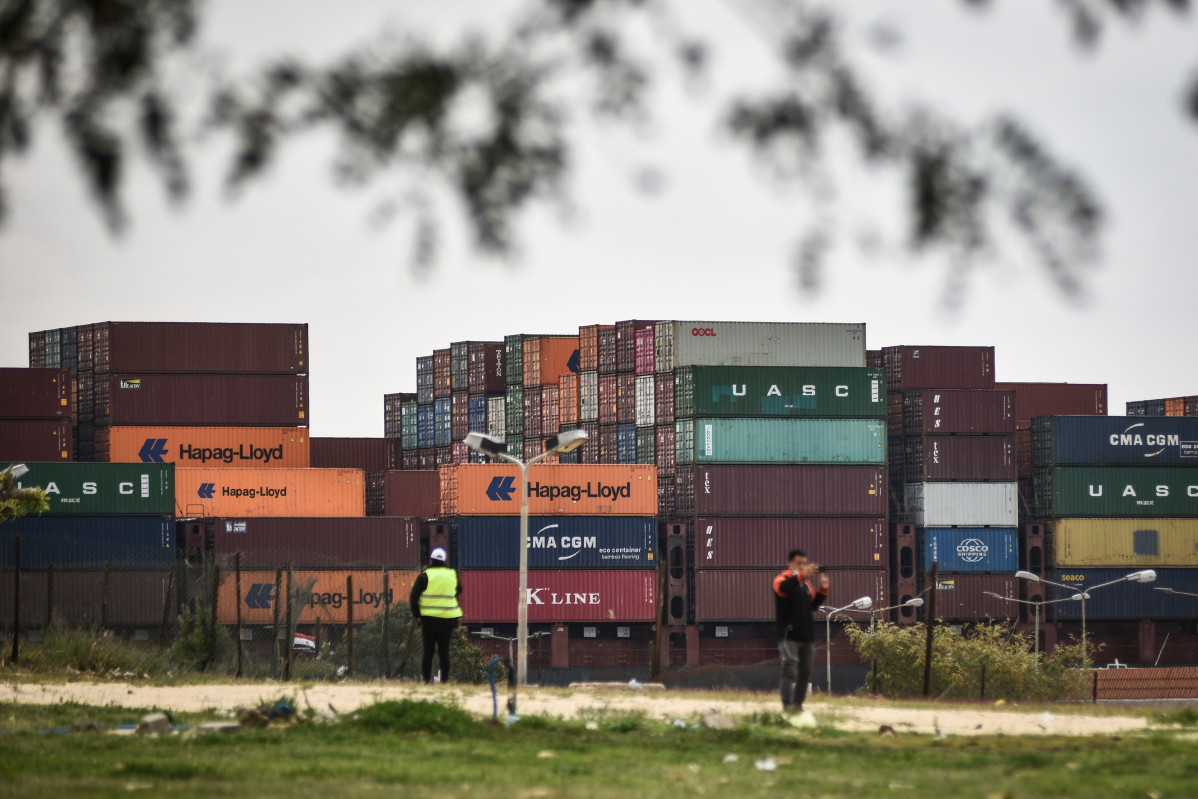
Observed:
{"x":588,"y":396}
{"x":645,"y":401}
{"x":962,"y":504}
{"x":497,"y":416}
{"x":758,"y":344}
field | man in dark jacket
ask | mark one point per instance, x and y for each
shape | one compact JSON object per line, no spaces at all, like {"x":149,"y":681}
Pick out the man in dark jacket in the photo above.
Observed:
{"x":796,"y":597}
{"x":434,"y":603}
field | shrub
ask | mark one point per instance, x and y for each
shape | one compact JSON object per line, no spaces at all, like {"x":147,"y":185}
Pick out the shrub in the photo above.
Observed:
{"x":91,"y":651}
{"x":193,"y":646}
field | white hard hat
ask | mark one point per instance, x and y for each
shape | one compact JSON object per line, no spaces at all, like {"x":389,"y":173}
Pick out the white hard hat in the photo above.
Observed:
{"x":439,"y":554}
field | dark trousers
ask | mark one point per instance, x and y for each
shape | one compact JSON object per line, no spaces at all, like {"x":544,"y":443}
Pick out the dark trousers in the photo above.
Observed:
{"x":797,"y":658}
{"x":437,"y":633}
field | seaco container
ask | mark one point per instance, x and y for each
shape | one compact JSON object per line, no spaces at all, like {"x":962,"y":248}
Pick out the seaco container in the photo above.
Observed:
{"x":36,"y":394}
{"x":1135,"y":491}
{"x":240,"y":447}
{"x":953,"y":411}
{"x":1114,"y":440}
{"x":723,"y":542}
{"x":369,"y":454}
{"x":938,"y":367}
{"x":766,"y":440}
{"x":487,"y":489}
{"x":36,"y":440}
{"x":230,"y":400}
{"x":970,"y":549}
{"x":89,"y":542}
{"x":212,"y":347}
{"x":317,"y":543}
{"x":561,"y":596}
{"x":748,"y":594}
{"x":78,"y":598}
{"x":962,"y":597}
{"x":321,"y":595}
{"x":931,"y":458}
{"x":1056,"y":399}
{"x":752,"y":490}
{"x":779,"y":391}
{"x":1124,"y":599}
{"x":104,"y":489}
{"x":216,"y":492}
{"x":1090,"y":543}
{"x":678,"y":344}
{"x":558,"y":542}
{"x":962,"y":504}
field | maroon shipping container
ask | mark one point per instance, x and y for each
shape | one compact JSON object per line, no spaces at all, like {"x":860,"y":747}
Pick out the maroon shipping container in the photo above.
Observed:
{"x":1056,"y":399}
{"x":588,"y":346}
{"x":134,"y":598}
{"x":45,"y":440}
{"x":442,"y":376}
{"x":875,"y":359}
{"x":598,"y":596}
{"x":625,"y":398}
{"x":962,"y":597}
{"x":608,"y":398}
{"x":665,"y":435}
{"x":550,"y":409}
{"x":626,"y":338}
{"x":36,"y":394}
{"x":748,"y":594}
{"x":485,"y":373}
{"x":532,"y":413}
{"x":958,"y":411}
{"x":227,"y":400}
{"x":938,"y":367}
{"x":607,"y":350}
{"x":589,"y":452}
{"x":663,"y":399}
{"x":894,"y":413}
{"x":762,"y":542}
{"x":646,"y":360}
{"x":783,"y":490}
{"x":974,"y":458}
{"x":314,"y":543}
{"x":459,"y":415}
{"x":368,"y":454}
{"x":608,"y":443}
{"x":154,"y":347}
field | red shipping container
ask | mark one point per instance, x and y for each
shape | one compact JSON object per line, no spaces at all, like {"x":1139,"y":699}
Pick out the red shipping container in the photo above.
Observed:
{"x":135,"y":598}
{"x":442,"y":374}
{"x":730,"y":542}
{"x":607,"y":350}
{"x":554,"y":489}
{"x":36,"y":394}
{"x":588,"y":346}
{"x":532,"y":414}
{"x":962,"y":596}
{"x":747,"y":594}
{"x":485,"y":373}
{"x":548,"y":357}
{"x":663,"y":391}
{"x":608,"y":398}
{"x":952,"y":411}
{"x":214,"y":347}
{"x":567,"y":596}
{"x":368,"y":454}
{"x":226,"y":400}
{"x":665,"y":449}
{"x":974,"y":458}
{"x":645,"y":359}
{"x":568,"y":399}
{"x":938,"y":367}
{"x":270,"y":492}
{"x":1056,"y":399}
{"x":589,"y":452}
{"x":43,"y":440}
{"x":625,"y":398}
{"x":782,"y":490}
{"x":626,"y":340}
{"x":315,"y":542}
{"x":459,"y":415}
{"x":550,"y":410}
{"x":608,"y":443}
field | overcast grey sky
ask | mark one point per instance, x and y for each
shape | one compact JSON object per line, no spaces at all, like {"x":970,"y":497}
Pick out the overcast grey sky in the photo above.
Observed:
{"x":713,"y":243}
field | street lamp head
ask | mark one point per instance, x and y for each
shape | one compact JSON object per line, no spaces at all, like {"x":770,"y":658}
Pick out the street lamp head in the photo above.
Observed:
{"x":566,"y":441}
{"x":488,"y":445}
{"x":863,"y":603}
{"x":1022,"y":575}
{"x":1166,"y":589}
{"x":16,"y":471}
{"x":1145,"y":576}
{"x":914,"y":602}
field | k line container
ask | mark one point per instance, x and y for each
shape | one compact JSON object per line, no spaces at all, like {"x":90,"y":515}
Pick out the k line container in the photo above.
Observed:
{"x":317,"y":543}
{"x":322,"y":596}
{"x":36,"y":394}
{"x":1116,"y":491}
{"x":1134,"y":543}
{"x":932,"y":458}
{"x":36,"y":440}
{"x":135,"y":598}
{"x":252,"y":447}
{"x":956,"y":411}
{"x":748,"y":594}
{"x":558,"y":542}
{"x":73,"y":543}
{"x":553,"y":490}
{"x":1122,"y":599}
{"x":1056,"y":399}
{"x":765,"y":440}
{"x":270,"y":492}
{"x":153,"y":347}
{"x":970,"y":549}
{"x":613,"y":595}
{"x":783,"y":490}
{"x":938,"y":367}
{"x":230,"y":400}
{"x":104,"y":489}
{"x":962,"y":504}
{"x":762,"y":542}
{"x":709,"y":343}
{"x":962,"y":597}
{"x":751,"y":391}
{"x":1114,"y":441}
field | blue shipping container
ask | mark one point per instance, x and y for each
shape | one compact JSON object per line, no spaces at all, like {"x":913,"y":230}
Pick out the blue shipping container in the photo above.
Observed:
{"x":424,"y":426}
{"x":1123,"y":599}
{"x":72,"y":543}
{"x":626,"y":443}
{"x":477,"y":409}
{"x":1114,"y":440}
{"x":971,"y":549}
{"x":558,"y":542}
{"x":442,"y":422}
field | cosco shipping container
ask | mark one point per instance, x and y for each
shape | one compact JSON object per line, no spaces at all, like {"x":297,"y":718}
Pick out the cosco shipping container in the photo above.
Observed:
{"x":321,"y":596}
{"x":558,"y":542}
{"x":1134,"y":543}
{"x":970,"y":549}
{"x":36,"y":394}
{"x":73,"y":543}
{"x":487,"y":489}
{"x":229,"y":400}
{"x":708,"y":343}
{"x":749,"y":391}
{"x":36,"y":440}
{"x":134,"y":598}
{"x":104,"y":489}
{"x":215,"y":347}
{"x":750,"y":490}
{"x":748,"y":594}
{"x":767,"y":440}
{"x":613,"y":595}
{"x":1136,"y":491}
{"x":1120,"y":598}
{"x":730,"y":542}
{"x":250,"y":447}
{"x":962,"y":504}
{"x":270,"y":492}
{"x":316,"y":543}
{"x":1114,"y":441}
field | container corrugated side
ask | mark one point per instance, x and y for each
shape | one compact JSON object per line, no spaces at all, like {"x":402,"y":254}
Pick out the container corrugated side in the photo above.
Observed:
{"x":752,"y":490}
{"x":768,"y":440}
{"x":748,"y":391}
{"x":714,"y":343}
{"x":931,"y":458}
{"x":412,"y":493}
{"x":723,"y":542}
{"x":213,"y":347}
{"x":558,"y":542}
{"x":748,"y":594}
{"x":254,"y":447}
{"x":228,"y":400}
{"x":970,"y":549}
{"x":962,"y":504}
{"x":36,"y":394}
{"x":485,"y":373}
{"x":561,"y":596}
{"x":553,"y":490}
{"x":1123,"y":599}
{"x":969,"y":411}
{"x":317,"y":543}
{"x":962,"y":597}
{"x":89,"y":542}
{"x":270,"y":492}
{"x":1136,"y":491}
{"x":1056,"y":399}
{"x":133,"y":597}
{"x":548,"y":357}
{"x":1114,"y":441}
{"x":909,"y":367}
{"x":104,"y":489}
{"x":322,"y":595}
{"x":36,"y":440}
{"x":1131,"y":543}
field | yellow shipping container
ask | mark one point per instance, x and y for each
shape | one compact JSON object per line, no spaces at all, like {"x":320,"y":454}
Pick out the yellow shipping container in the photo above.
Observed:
{"x":1141,"y":543}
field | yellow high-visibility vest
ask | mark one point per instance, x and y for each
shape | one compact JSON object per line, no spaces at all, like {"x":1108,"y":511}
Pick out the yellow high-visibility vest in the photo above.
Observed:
{"x":439,"y":599}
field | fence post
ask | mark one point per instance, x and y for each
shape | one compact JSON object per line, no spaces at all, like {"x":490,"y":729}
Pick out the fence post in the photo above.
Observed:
{"x":49,"y":594}
{"x":931,"y":622}
{"x":104,"y":599}
{"x":16,"y":600}
{"x":875,"y":675}
{"x":212,"y":616}
{"x":1094,"y":686}
{"x":386,"y":623}
{"x":983,"y":682}
{"x":166,"y":604}
{"x":349,"y":609}
{"x":237,"y":602}
{"x":290,"y":634}
{"x":274,"y":661}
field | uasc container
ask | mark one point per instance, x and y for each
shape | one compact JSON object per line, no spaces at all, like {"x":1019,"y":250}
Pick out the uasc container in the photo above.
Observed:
{"x":104,"y":489}
{"x":749,"y":391}
{"x":1135,"y":491}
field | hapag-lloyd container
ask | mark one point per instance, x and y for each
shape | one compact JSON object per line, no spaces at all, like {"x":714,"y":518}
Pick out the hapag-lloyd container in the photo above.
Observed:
{"x":708,"y":343}
{"x":249,"y":447}
{"x":1131,"y":543}
{"x":89,"y":542}
{"x":748,"y":594}
{"x":768,"y":440}
{"x":963,"y":596}
{"x":36,"y":394}
{"x":970,"y":549}
{"x":546,"y":358}
{"x":750,"y":490}
{"x":779,"y":391}
{"x":133,"y":597}
{"x":972,"y":411}
{"x":1136,"y":491}
{"x":1114,"y":441}
{"x":104,"y":489}
{"x":554,"y":489}
{"x":609,"y":595}
{"x":230,"y":400}
{"x":938,"y":367}
{"x":962,"y":504}
{"x":322,"y":596}
{"x":1124,"y":599}
{"x":36,"y":439}
{"x":270,"y":492}
{"x":931,"y":458}
{"x":316,"y":543}
{"x":1056,"y":399}
{"x":751,"y":543}
{"x":214,"y":347}
{"x":558,"y":542}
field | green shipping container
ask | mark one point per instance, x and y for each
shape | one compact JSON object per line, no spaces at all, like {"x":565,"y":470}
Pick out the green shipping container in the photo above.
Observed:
{"x":105,"y":489}
{"x":1138,"y":543}
{"x":847,"y":441}
{"x":1135,"y":491}
{"x":752,"y":391}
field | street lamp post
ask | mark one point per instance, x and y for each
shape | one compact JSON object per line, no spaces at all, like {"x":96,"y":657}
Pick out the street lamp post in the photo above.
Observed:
{"x":1039,"y":605}
{"x":913,"y":602}
{"x":563,"y":442}
{"x":1167,"y":590}
{"x":861,"y":603}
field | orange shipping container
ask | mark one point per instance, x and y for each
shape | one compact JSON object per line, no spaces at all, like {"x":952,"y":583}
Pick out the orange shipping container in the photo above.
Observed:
{"x":554,"y":489}
{"x":547,"y":357}
{"x":234,"y":447}
{"x":318,"y":596}
{"x":270,"y":492}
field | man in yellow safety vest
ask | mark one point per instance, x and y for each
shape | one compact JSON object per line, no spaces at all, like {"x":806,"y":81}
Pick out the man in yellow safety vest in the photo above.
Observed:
{"x":434,"y":602}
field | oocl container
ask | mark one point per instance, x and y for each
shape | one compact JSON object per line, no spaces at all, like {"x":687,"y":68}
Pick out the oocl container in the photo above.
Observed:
{"x":751,"y":490}
{"x":36,"y":394}
{"x":104,"y":489}
{"x":253,"y":447}
{"x":1114,"y":440}
{"x":970,"y":549}
{"x":231,"y":400}
{"x":558,"y":542}
{"x":1133,"y":543}
{"x":708,"y":343}
{"x":962,"y":504}
{"x":270,"y":492}
{"x":767,"y":440}
{"x":488,"y":489}
{"x":723,"y":542}
{"x":323,"y":596}
{"x":317,"y":543}
{"x":748,"y":594}
{"x":89,"y":542}
{"x":1135,"y":491}
{"x":748,"y":391}
{"x":565,"y":596}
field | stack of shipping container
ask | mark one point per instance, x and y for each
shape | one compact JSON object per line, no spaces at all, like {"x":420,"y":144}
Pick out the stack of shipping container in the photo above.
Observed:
{"x":37,"y":414}
{"x":1167,"y":406}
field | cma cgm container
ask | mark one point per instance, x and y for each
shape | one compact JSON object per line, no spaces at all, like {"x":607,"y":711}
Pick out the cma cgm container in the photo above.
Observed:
{"x":1134,"y":543}
{"x":708,"y":343}
{"x":89,"y":542}
{"x":321,"y":596}
{"x":35,"y":440}
{"x":945,"y":412}
{"x":561,"y":596}
{"x":962,"y":504}
{"x":931,"y":458}
{"x":231,"y":400}
{"x":1056,"y":399}
{"x":1135,"y":491}
{"x":779,"y":391}
{"x":751,"y":490}
{"x":766,"y":440}
{"x":938,"y":367}
{"x":748,"y":595}
{"x":270,"y":492}
{"x":487,"y":489}
{"x":723,"y":542}
{"x":36,"y":394}
{"x":249,"y":447}
{"x":1122,"y":598}
{"x":317,"y":543}
{"x":970,"y":549}
{"x":1114,"y":440}
{"x":104,"y":489}
{"x":153,"y":347}
{"x":78,"y":598}
{"x":964,"y":597}
{"x":558,"y":542}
